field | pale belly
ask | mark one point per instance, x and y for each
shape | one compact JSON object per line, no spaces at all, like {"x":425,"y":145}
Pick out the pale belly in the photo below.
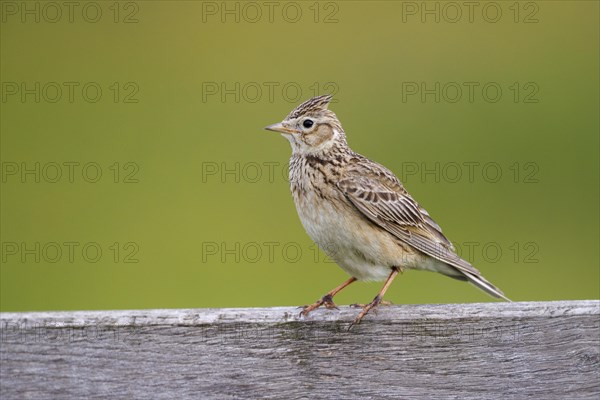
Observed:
{"x":363,"y":250}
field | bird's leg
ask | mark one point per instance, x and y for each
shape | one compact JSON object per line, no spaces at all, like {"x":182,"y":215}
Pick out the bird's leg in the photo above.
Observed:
{"x":377,"y":300}
{"x":327,"y":300}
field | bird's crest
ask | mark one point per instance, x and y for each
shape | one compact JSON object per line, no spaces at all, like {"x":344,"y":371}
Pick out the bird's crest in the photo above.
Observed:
{"x":318,"y":103}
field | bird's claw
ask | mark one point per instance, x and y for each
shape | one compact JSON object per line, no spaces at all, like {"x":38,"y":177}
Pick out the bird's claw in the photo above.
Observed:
{"x":365,"y":310}
{"x":381,"y":303}
{"x":326,"y":301}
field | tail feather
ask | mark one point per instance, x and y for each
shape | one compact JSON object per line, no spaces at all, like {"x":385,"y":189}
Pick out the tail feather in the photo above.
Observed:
{"x":486,"y":286}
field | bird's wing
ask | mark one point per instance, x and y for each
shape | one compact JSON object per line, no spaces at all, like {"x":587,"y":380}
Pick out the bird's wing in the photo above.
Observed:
{"x":380,"y":196}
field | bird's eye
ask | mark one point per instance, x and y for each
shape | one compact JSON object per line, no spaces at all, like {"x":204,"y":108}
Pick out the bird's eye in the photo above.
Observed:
{"x":308,"y":123}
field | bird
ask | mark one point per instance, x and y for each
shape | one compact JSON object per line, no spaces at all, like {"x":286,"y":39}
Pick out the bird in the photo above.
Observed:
{"x":359,"y":213}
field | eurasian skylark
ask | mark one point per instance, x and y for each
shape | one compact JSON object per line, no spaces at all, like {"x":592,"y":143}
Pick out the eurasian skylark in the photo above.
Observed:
{"x":358,"y":212}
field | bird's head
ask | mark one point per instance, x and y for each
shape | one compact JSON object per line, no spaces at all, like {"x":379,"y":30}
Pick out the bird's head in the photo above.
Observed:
{"x":311,"y":128}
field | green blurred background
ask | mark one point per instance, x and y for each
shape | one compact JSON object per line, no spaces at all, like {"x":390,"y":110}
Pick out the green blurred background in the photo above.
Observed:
{"x":193,"y":209}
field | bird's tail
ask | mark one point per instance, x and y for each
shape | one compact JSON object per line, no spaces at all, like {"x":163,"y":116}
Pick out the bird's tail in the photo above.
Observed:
{"x":480,"y":282}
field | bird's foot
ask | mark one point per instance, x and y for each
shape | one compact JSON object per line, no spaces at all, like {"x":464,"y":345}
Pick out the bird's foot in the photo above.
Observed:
{"x":381,"y":303}
{"x":365,"y":310}
{"x":326,"y":301}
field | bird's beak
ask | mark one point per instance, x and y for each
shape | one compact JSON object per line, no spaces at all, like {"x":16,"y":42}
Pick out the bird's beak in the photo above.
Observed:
{"x":279,"y":127}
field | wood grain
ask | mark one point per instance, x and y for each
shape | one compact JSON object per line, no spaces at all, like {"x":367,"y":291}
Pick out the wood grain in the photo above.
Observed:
{"x":542,"y":350}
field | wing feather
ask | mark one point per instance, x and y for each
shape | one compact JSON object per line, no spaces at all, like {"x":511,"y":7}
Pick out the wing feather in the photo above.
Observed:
{"x":380,"y":196}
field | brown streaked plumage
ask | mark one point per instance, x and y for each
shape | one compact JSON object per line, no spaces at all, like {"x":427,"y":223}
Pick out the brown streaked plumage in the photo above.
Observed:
{"x":358,"y":212}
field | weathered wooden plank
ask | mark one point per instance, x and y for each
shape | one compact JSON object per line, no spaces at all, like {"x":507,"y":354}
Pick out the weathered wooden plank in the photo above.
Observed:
{"x":546,"y":350}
